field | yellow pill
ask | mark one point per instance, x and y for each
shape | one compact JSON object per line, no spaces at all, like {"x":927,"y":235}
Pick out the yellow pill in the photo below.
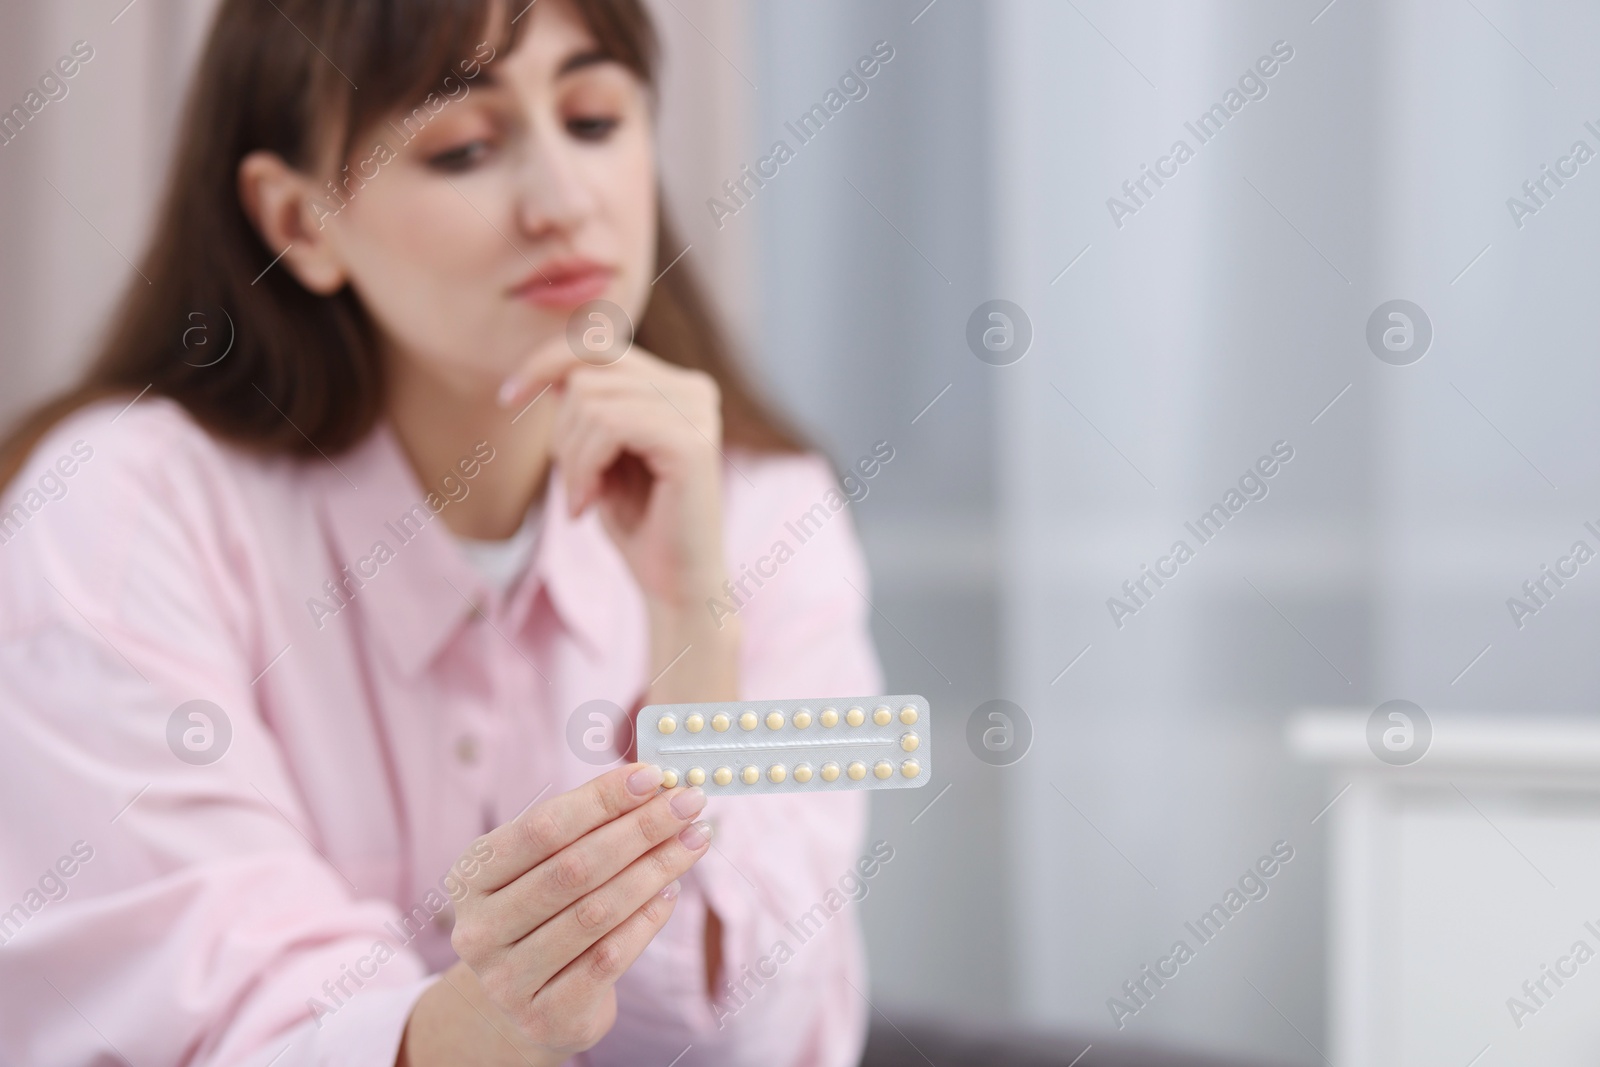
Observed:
{"x":830,"y":717}
{"x":802,"y":719}
{"x":881,"y":716}
{"x":696,"y":776}
{"x":802,"y":772}
{"x":883,"y":768}
{"x":776,"y":773}
{"x":669,"y":779}
{"x":695,"y":723}
{"x":908,"y":715}
{"x":720,"y":721}
{"x":830,"y":771}
{"x":774,"y":720}
{"x":666,"y":724}
{"x":747,"y":721}
{"x":855,"y":716}
{"x":722,"y":776}
{"x":910,"y":768}
{"x":750,"y":775}
{"x":857,"y":770}
{"x":909,"y":742}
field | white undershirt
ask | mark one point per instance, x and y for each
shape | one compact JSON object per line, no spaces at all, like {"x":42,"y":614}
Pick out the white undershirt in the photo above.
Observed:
{"x":501,"y":562}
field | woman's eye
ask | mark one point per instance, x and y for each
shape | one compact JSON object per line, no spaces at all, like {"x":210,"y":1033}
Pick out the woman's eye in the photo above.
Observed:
{"x":592,"y":129}
{"x":463,"y":158}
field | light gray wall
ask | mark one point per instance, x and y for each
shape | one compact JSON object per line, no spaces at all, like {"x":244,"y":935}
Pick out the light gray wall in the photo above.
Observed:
{"x":78,"y":184}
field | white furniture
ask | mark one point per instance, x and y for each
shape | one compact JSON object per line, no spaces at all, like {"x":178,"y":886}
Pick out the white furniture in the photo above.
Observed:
{"x":1454,"y":881}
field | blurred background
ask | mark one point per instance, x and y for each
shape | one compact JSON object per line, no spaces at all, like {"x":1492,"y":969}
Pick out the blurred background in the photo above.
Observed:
{"x":1179,"y":333}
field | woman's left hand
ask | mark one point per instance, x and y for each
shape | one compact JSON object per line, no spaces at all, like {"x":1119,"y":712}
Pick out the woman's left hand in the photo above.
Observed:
{"x":642,"y":440}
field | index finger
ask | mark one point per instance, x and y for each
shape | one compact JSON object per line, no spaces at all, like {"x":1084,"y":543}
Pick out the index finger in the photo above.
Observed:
{"x":549,"y":364}
{"x":546,"y":828}
{"x":598,"y":335}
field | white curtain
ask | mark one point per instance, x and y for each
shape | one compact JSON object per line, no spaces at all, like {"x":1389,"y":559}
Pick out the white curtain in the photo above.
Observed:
{"x":1226,"y":314}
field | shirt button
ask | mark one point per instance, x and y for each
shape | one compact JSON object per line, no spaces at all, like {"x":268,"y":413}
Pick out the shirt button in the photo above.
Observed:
{"x":467,"y":749}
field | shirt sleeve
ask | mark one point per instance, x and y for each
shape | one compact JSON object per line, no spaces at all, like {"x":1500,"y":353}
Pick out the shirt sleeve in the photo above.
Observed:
{"x":785,"y":873}
{"x":162,"y":906}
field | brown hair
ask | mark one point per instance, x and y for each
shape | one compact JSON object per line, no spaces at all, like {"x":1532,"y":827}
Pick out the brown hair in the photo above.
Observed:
{"x":304,"y":371}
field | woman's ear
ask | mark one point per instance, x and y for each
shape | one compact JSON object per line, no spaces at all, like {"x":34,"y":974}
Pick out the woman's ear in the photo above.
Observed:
{"x":289,"y":215}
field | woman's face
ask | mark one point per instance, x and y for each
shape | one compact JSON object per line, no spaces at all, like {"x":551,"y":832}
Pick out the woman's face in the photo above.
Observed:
{"x":510,"y":198}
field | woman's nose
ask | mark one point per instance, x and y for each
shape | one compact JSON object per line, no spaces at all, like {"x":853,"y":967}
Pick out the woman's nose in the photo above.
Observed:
{"x":552,"y":190}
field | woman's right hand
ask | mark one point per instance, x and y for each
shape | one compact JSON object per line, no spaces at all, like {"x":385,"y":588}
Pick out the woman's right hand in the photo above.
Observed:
{"x":571,"y":892}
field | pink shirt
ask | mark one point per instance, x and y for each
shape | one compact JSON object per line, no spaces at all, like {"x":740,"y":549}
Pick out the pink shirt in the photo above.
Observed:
{"x":285,"y":903}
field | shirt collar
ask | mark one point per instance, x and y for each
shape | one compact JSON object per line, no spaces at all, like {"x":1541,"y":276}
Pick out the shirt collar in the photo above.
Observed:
{"x":417,"y":589}
{"x":576,"y":563}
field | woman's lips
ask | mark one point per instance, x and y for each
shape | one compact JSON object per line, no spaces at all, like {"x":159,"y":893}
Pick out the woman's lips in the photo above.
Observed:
{"x":566,"y":287}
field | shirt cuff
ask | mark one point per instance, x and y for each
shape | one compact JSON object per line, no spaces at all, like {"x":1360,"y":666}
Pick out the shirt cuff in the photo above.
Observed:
{"x":366,"y":1032}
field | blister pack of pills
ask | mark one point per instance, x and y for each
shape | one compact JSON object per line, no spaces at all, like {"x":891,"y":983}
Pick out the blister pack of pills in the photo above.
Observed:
{"x":790,"y":746}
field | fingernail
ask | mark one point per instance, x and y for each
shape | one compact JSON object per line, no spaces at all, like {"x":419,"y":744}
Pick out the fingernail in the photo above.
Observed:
{"x":508,"y":392}
{"x":687,"y":804}
{"x":696,"y":835}
{"x":670,"y":890}
{"x":644,"y":780}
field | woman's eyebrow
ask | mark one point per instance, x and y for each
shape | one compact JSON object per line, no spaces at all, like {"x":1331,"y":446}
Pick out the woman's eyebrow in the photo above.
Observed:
{"x":575,"y":62}
{"x":579,"y":60}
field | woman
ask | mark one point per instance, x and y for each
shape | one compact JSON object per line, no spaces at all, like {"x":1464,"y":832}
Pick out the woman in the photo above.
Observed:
{"x":326,"y":585}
